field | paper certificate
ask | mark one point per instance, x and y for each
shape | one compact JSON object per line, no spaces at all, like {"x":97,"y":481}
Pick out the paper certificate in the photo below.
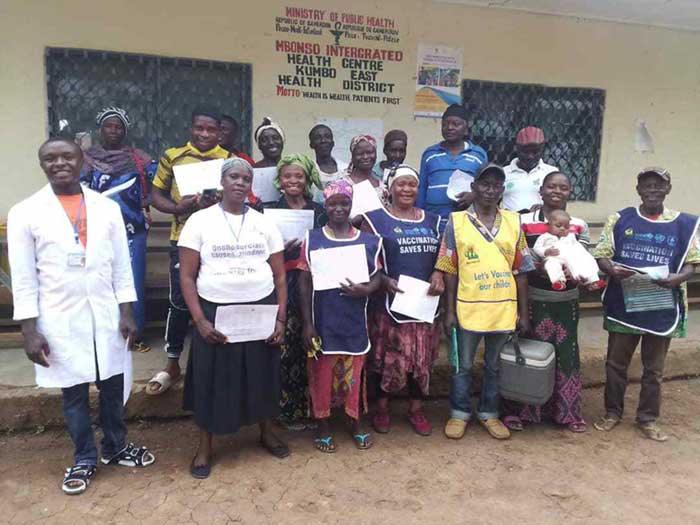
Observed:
{"x":415,"y":302}
{"x":263,"y":188}
{"x":332,"y":267}
{"x":198,"y":176}
{"x":292,"y":224}
{"x":246,"y":322}
{"x":364,"y":198}
{"x":643,"y":295}
{"x":128,"y":373}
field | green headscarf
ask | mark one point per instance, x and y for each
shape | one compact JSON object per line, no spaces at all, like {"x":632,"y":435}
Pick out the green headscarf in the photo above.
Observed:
{"x":305,"y":163}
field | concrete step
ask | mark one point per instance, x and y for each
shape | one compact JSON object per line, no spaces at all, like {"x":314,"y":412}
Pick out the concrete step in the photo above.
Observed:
{"x":24,"y":406}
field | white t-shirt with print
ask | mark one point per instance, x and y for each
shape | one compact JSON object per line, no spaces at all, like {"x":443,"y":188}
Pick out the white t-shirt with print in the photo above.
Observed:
{"x":232,"y":270}
{"x":522,"y":187}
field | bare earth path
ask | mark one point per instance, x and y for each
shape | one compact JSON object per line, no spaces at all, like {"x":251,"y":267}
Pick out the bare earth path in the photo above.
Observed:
{"x":544,"y":475}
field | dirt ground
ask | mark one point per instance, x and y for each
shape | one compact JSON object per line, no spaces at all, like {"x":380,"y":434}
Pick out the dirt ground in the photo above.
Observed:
{"x":543,"y":475}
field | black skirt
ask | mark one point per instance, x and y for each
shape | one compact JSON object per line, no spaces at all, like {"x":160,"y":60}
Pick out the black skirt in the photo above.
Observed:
{"x":231,"y":385}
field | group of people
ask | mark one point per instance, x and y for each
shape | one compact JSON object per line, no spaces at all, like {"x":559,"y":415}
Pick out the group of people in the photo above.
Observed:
{"x":494,"y":242}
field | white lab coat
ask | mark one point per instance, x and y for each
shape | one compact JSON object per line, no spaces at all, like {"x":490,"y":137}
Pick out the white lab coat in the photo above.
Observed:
{"x":77,"y":308}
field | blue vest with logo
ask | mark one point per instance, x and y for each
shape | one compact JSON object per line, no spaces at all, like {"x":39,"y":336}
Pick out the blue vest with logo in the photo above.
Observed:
{"x":410,"y":248}
{"x":639,"y":243}
{"x":341,"y":321}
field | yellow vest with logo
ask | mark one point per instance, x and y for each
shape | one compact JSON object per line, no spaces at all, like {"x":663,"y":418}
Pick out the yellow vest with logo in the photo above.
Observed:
{"x":487,"y":299}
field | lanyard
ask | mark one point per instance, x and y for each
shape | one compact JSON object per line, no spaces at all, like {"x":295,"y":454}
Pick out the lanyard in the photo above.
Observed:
{"x":76,"y":224}
{"x":235,"y":236}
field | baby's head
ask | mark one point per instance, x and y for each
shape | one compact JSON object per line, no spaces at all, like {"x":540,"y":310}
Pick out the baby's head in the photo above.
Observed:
{"x":559,"y":223}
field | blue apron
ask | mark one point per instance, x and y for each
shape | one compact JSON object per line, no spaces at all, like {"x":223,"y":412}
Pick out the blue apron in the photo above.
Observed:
{"x":640,"y":242}
{"x":409,"y":248}
{"x":341,"y":321}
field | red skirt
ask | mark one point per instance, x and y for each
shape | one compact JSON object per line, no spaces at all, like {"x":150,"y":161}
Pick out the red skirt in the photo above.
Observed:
{"x":337,"y":380}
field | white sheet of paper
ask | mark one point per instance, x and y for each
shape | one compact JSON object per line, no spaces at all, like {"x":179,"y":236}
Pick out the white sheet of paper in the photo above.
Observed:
{"x":364,"y":198}
{"x":415,"y":301}
{"x":246,"y":322}
{"x":128,"y":372}
{"x":648,"y":272}
{"x":262,"y":184}
{"x":332,"y":266}
{"x":292,"y":224}
{"x":198,"y":176}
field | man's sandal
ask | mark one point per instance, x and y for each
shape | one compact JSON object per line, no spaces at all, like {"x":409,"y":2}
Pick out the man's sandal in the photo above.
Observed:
{"x":131,"y":456}
{"x":652,"y":431}
{"x":164,"y":380}
{"x":606,"y":423}
{"x":325,"y":444}
{"x":141,"y":348}
{"x":77,"y":478}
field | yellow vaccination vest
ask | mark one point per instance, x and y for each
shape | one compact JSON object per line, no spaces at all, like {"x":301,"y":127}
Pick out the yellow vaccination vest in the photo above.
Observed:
{"x":487,"y":299}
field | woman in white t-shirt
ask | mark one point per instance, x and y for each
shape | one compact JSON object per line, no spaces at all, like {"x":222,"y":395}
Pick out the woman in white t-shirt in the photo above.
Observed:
{"x":232,"y":254}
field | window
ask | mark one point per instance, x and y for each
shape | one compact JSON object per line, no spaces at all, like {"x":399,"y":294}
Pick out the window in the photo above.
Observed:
{"x":572,"y":120}
{"x":158,"y":93}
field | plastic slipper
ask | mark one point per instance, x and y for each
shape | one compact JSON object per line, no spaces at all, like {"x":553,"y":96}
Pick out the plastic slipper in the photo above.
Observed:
{"x":131,"y":456}
{"x":200,"y":472}
{"x":77,"y":478}
{"x":141,"y":348}
{"x":513,"y":423}
{"x":606,"y":423}
{"x":325,"y":444}
{"x":362,"y":441}
{"x":162,"y":378}
{"x":578,"y":427}
{"x":279,"y":450}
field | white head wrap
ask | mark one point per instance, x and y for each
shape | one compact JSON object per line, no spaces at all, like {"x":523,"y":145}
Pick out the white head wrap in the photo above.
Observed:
{"x":113,"y":111}
{"x":268,"y":123}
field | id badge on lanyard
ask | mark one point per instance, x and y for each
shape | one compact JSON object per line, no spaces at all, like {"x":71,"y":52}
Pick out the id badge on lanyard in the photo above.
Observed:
{"x":76,"y":257}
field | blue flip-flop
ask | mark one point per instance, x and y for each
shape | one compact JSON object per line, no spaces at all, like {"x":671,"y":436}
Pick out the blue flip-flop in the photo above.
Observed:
{"x":362,"y":441}
{"x":325,"y":444}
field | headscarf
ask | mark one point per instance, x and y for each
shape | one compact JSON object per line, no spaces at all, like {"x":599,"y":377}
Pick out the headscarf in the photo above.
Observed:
{"x":341,"y":187}
{"x":356,"y":141}
{"x":309,"y":166}
{"x":267,"y":123}
{"x":401,"y":171}
{"x":232,"y":162}
{"x":395,"y":134}
{"x":113,"y":111}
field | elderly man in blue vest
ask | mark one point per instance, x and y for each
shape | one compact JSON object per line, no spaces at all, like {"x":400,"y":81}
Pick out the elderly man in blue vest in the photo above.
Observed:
{"x":648,"y":253}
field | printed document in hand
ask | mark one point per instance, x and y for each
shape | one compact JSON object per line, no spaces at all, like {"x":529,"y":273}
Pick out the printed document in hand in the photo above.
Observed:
{"x":647,"y":272}
{"x":128,"y":372}
{"x":331,"y":267}
{"x":246,"y":322}
{"x":199,"y":176}
{"x":292,"y":224}
{"x":415,"y":301}
{"x":364,"y":198}
{"x":262,"y":184}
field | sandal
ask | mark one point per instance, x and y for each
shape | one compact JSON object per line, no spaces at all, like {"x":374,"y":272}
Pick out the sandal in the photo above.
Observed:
{"x":201,"y":471}
{"x":141,"y":348}
{"x":652,"y":431}
{"x":279,"y":450}
{"x":77,"y":479}
{"x":513,"y":423}
{"x":606,"y":423}
{"x":131,"y":456}
{"x":162,"y":378}
{"x":362,"y":441}
{"x":382,"y":421}
{"x":577,"y":427}
{"x":325,"y":444}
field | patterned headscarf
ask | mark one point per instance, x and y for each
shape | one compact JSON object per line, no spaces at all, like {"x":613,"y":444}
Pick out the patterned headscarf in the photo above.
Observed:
{"x":113,"y":111}
{"x":305,"y":163}
{"x":341,"y":187}
{"x":356,"y":141}
{"x":268,"y":123}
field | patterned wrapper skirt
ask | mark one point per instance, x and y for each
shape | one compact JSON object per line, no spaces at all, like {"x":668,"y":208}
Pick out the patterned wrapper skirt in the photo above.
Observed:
{"x":231,"y":385}
{"x":556,"y":323}
{"x":402,"y":350}
{"x":337,"y":380}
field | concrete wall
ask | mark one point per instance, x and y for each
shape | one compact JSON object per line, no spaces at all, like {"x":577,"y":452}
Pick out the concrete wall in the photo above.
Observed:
{"x":648,"y":73}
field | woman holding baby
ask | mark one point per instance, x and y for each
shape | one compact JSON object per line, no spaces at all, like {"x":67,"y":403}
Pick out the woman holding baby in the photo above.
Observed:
{"x":554,"y":309}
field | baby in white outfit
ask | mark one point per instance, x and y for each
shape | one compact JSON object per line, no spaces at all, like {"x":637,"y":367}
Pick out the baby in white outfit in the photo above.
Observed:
{"x":560,"y":249}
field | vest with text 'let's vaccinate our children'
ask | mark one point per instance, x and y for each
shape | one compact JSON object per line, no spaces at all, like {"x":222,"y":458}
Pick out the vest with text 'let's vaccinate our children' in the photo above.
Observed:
{"x":645,"y":243}
{"x":487,"y":299}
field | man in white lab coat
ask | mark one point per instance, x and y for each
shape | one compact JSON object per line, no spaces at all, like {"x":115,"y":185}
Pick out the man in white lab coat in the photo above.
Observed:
{"x":72,"y":288}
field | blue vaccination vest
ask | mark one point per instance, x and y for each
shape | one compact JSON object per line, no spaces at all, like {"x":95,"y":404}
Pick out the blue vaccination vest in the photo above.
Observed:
{"x":341,"y":321}
{"x":409,"y":248}
{"x":640,"y":242}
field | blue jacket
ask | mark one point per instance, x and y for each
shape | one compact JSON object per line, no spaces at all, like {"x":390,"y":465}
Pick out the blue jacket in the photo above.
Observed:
{"x":436,"y":168}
